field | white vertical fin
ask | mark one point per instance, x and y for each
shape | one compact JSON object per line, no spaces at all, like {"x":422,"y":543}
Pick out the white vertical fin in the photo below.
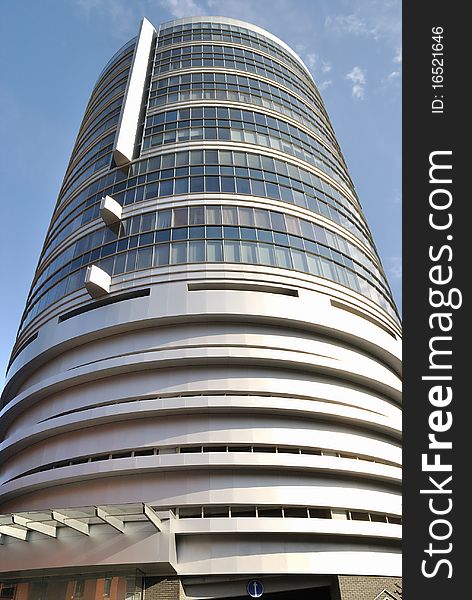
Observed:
{"x":125,"y":140}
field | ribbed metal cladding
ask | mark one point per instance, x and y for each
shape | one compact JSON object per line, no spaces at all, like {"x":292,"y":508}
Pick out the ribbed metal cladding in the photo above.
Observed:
{"x":243,"y":367}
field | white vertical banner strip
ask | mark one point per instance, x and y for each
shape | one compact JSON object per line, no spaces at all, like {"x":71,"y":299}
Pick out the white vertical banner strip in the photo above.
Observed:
{"x":125,"y":139}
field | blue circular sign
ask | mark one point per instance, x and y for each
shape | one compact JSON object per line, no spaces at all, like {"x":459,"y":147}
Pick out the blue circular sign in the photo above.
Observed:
{"x":255,"y":589}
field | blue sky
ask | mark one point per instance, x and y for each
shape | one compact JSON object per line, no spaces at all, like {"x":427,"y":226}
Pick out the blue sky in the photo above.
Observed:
{"x":51,"y":52}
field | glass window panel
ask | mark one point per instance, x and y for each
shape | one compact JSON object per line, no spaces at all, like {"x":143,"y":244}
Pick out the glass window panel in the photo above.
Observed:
{"x":299,"y":260}
{"x":164,"y":218}
{"x":166,"y":188}
{"x":196,"y":157}
{"x":135,"y":227}
{"x":242,"y":185}
{"x":266,"y":254}
{"x":328,"y":270}
{"x":320,"y":234}
{"x":230,"y":215}
{"x":293,"y":225}
{"x":196,"y":216}
{"x":228,"y":185}
{"x":248,"y":233}
{"x":311,"y":246}
{"x":196,"y":133}
{"x":283,"y":257}
{"x":250,"y":137}
{"x":214,"y":251}
{"x":182,"y":159}
{"x":161,"y":255}
{"x":180,"y":217}
{"x":211,"y":133}
{"x":237,"y":135}
{"x":314,"y":265}
{"x":105,"y":264}
{"x":148,"y":221}
{"x":278,"y":222}
{"x":144,"y":258}
{"x":254,"y":161}
{"x":258,"y":188}
{"x":211,"y":157}
{"x":168,"y":160}
{"x":232,"y":251}
{"x":122,"y":245}
{"x":178,"y":253}
{"x":181,"y":185}
{"x":246,"y":217}
{"x":212,"y":170}
{"x":213,"y":215}
{"x":146,"y":238}
{"x":212,"y":184}
{"x":307,"y":229}
{"x":231,"y":233}
{"x":181,"y":233}
{"x":196,"y":232}
{"x":263,"y":235}
{"x":226,"y":157}
{"x":131,"y":261}
{"x":286,"y":194}
{"x":249,"y":252}
{"x":272,"y":190}
{"x":163,"y":235}
{"x":262,"y":218}
{"x":196,"y":251}
{"x":139,"y":193}
{"x":196,"y":184}
{"x":224,"y":133}
{"x":214,"y":231}
{"x":119,"y":264}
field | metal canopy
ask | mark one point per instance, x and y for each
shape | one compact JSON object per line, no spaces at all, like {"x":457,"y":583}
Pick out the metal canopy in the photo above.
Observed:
{"x":19,"y":524}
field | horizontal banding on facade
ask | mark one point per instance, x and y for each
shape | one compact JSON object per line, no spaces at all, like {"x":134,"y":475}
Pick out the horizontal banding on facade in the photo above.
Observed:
{"x":240,"y":372}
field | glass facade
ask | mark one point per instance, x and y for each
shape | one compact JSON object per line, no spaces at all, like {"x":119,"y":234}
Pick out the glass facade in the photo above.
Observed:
{"x":253,"y":130}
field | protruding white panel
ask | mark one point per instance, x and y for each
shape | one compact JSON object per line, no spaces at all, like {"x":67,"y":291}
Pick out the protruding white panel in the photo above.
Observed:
{"x":97,"y":281}
{"x":128,"y":126}
{"x":110,"y":519}
{"x":110,"y":210}
{"x":75,"y":524}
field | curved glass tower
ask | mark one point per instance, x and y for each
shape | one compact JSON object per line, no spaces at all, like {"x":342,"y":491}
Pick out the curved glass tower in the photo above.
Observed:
{"x":204,"y":396}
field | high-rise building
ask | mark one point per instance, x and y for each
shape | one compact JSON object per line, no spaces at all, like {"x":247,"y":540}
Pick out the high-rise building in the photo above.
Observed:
{"x":203,"y":399}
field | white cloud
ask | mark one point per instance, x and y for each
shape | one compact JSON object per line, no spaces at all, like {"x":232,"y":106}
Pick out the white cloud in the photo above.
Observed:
{"x":359,"y":81}
{"x":311,"y":60}
{"x":182,"y":8}
{"x":398,"y":56}
{"x":377,"y":20}
{"x":325,"y":67}
{"x":352,"y":24}
{"x":324,"y":85}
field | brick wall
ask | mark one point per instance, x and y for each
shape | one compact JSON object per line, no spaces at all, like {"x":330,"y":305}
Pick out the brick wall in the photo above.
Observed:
{"x":163,"y":589}
{"x":367,"y":588}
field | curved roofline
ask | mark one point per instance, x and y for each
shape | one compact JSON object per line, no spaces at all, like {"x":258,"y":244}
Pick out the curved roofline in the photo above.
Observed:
{"x":239,"y":23}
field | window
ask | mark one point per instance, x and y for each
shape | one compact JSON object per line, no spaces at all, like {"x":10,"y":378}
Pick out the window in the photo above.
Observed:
{"x":216,"y":511}
{"x":107,"y":586}
{"x":243,"y":511}
{"x":79,"y":588}
{"x":190,"y":512}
